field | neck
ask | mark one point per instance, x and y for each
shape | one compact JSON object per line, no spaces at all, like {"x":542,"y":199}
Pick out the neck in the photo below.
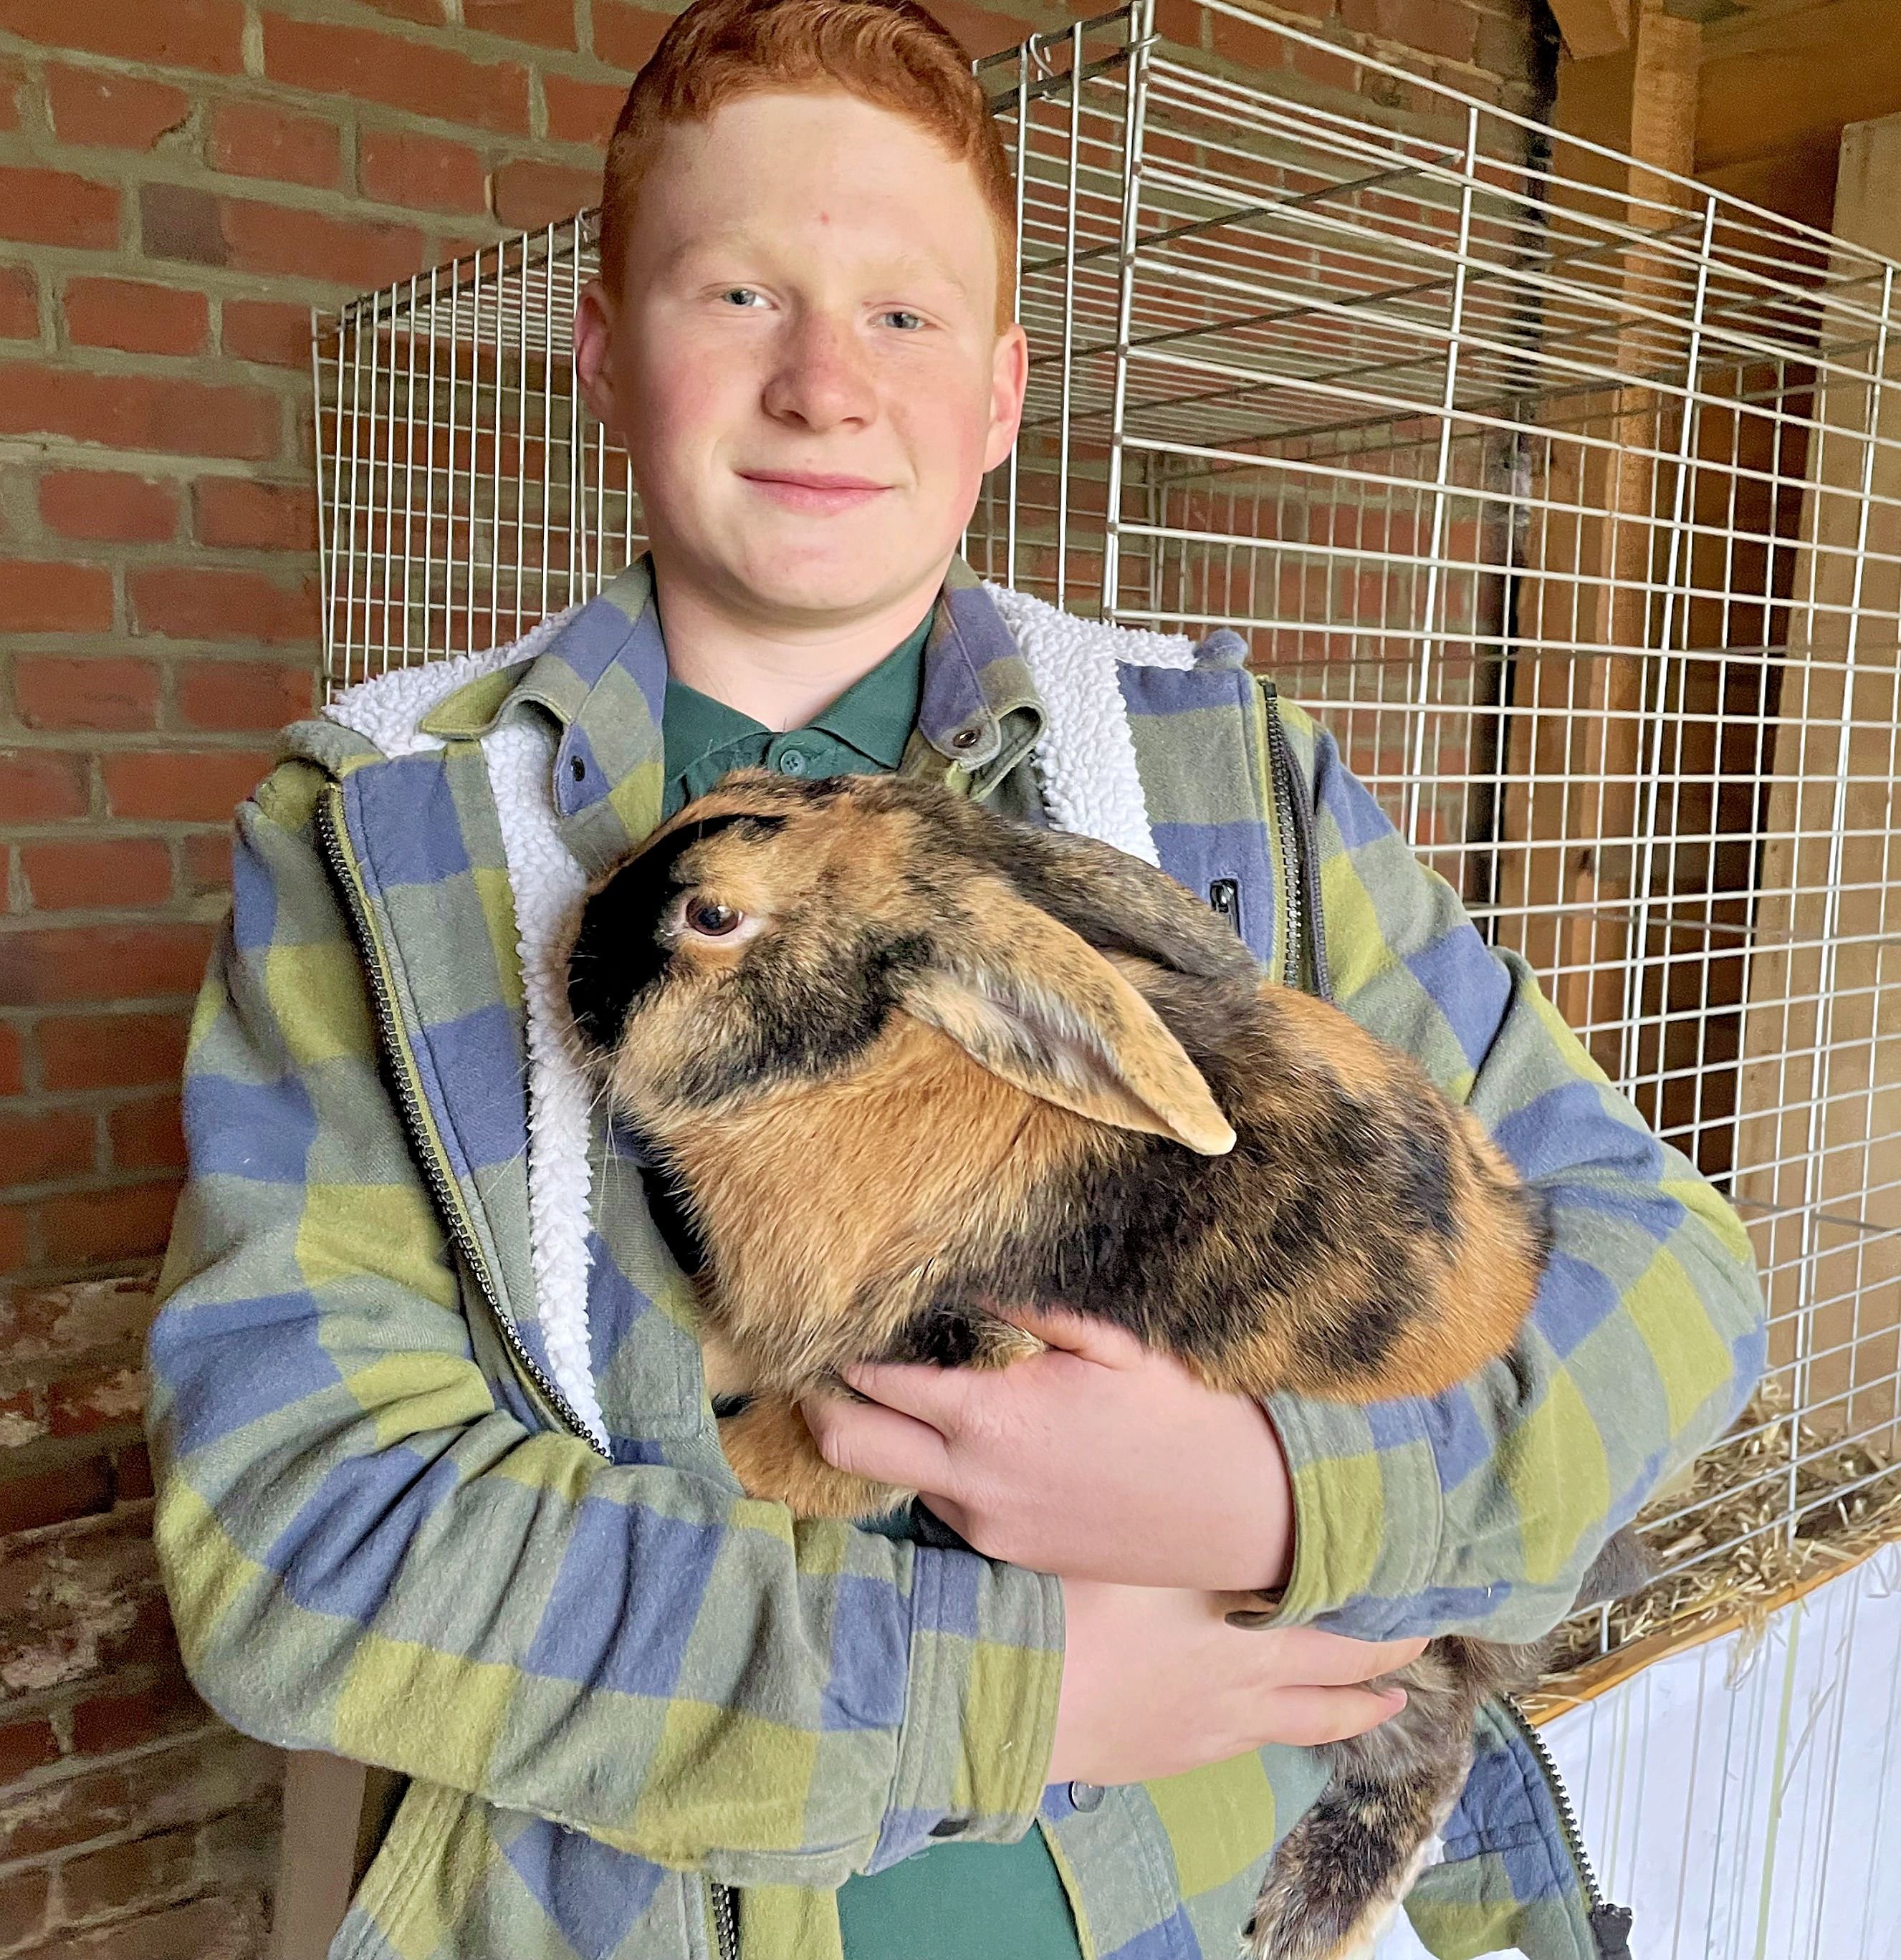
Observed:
{"x":781,"y":671}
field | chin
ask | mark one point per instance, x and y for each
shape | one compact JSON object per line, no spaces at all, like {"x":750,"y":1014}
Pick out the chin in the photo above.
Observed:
{"x":828,"y":575}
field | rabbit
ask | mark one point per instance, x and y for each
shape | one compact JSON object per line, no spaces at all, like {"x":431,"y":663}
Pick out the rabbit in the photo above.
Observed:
{"x":899,"y":1057}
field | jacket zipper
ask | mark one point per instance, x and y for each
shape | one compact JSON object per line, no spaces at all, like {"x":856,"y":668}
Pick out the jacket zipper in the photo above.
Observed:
{"x":441,"y":1181}
{"x":448,"y":1200}
{"x":725,"y":1926}
{"x":1610,"y":1924}
{"x":1277,"y":760}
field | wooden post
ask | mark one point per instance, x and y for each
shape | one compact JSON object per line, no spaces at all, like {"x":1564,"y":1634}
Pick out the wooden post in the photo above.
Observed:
{"x":1573,"y":750}
{"x":1819,"y":1139}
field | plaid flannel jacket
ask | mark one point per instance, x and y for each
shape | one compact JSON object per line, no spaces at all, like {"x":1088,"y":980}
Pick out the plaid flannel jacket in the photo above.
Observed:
{"x":614,"y":1682}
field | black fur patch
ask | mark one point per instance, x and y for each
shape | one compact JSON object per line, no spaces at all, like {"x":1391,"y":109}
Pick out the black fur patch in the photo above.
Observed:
{"x":617,"y":952}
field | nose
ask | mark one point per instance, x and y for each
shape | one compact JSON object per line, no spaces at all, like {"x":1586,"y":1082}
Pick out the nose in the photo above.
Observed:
{"x":819,"y":379}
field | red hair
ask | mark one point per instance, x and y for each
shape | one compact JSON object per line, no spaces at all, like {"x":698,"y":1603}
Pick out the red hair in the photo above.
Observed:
{"x":890,"y":53}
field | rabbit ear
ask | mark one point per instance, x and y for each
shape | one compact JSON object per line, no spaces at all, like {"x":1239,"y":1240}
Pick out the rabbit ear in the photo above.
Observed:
{"x":1029,"y":1001}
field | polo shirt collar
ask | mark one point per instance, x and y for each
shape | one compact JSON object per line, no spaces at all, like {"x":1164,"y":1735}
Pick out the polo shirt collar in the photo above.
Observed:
{"x":603,"y":680}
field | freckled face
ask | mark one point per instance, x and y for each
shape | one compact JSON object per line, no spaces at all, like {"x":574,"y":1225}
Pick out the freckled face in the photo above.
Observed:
{"x":804,"y":365}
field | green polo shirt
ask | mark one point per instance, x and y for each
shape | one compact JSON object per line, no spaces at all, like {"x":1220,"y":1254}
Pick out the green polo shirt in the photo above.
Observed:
{"x":953,"y":1901}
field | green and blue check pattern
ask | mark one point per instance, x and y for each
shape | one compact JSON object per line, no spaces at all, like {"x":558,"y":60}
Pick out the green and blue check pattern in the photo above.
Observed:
{"x":614,"y":1677}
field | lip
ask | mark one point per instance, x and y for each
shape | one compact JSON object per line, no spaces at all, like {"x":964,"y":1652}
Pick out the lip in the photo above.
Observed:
{"x":813,"y":490}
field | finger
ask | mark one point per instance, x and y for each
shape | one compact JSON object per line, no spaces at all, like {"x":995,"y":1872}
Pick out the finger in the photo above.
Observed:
{"x":866,"y":1440}
{"x":1315,"y":1660}
{"x":1308,"y":1717}
{"x":1080,"y":1334}
{"x":935,"y":1395}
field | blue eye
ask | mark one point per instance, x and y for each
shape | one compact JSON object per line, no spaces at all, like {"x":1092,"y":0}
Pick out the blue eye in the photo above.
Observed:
{"x":899,"y":313}
{"x":742,"y":293}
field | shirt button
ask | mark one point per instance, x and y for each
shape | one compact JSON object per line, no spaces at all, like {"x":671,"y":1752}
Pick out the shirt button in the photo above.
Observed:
{"x":966,"y":738}
{"x":792,"y":762}
{"x":1085,"y":1795}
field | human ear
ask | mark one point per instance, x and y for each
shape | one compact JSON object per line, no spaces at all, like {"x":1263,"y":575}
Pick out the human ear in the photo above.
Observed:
{"x":1009,"y":378}
{"x":594,"y":314}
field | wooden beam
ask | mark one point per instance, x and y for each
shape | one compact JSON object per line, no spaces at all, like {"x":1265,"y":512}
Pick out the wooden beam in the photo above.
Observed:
{"x":1789,"y":82}
{"x":1592,"y":28}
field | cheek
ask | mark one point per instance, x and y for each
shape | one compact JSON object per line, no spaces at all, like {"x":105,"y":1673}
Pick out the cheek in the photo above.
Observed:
{"x":684,"y":402}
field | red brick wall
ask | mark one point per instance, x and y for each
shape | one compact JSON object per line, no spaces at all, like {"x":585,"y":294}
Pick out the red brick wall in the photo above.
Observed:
{"x":180,"y":180}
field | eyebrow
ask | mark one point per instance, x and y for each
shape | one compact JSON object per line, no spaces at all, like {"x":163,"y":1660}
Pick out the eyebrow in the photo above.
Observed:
{"x":909,"y":266}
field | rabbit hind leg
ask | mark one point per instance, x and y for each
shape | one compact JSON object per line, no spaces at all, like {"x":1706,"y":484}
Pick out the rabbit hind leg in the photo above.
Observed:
{"x":1339,"y":1878}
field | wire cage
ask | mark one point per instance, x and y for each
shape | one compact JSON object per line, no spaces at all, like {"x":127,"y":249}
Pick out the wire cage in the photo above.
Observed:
{"x":1567,"y":492}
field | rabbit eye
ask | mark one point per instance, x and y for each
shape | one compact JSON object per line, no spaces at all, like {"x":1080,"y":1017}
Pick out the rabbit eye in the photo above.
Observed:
{"x":711,"y":920}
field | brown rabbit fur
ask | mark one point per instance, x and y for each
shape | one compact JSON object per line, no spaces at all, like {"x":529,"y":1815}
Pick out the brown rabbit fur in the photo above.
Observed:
{"x":903,"y":1059}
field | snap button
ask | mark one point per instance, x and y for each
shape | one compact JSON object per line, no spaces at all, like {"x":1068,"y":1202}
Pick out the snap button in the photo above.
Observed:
{"x":791,"y":762}
{"x":578,"y":767}
{"x":1085,"y":1795}
{"x":966,"y":738}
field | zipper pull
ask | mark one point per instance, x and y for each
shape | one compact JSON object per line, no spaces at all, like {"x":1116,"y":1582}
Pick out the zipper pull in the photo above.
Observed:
{"x":1610,"y":1927}
{"x":1224,"y":896}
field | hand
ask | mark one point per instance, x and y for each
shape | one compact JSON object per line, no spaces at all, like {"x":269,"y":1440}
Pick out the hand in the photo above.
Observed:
{"x":1098,"y":1458}
{"x":1155,"y":1682}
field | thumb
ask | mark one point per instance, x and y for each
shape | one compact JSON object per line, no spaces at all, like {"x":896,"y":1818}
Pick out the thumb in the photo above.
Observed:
{"x":1084,"y":1335}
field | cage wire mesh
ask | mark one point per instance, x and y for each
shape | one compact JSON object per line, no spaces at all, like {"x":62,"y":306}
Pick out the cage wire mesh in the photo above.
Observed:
{"x":1568,"y":493}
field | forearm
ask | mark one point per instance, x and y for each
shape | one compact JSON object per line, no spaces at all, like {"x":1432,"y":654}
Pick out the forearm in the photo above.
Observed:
{"x":1480,"y":1508}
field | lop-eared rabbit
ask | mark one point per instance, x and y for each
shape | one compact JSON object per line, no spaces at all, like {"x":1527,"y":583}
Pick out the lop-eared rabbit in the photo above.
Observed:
{"x":901,"y":1057}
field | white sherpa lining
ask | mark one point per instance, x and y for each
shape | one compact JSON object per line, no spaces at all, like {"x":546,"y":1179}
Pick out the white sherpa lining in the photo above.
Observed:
{"x":1085,"y":761}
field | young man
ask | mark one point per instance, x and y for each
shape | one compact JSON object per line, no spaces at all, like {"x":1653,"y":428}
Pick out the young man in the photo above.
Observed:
{"x":439,"y":1488}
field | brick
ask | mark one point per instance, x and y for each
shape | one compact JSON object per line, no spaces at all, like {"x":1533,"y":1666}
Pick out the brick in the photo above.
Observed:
{"x":257,"y":139}
{"x":81,"y":1489}
{"x":218,"y":602}
{"x":93,"y":691}
{"x":367,"y":64}
{"x":36,"y":1150}
{"x":24,"y":1746}
{"x":203,"y":34}
{"x":208,"y":862}
{"x":147,"y":1136}
{"x":138,"y":411}
{"x":15,"y":1222}
{"x":57,"y":1323}
{"x":108,"y":505}
{"x":54,"y":208}
{"x":71,"y":873}
{"x":359,"y":254}
{"x":23,"y":1901}
{"x":271,"y":331}
{"x":420,"y":172}
{"x":19,"y":303}
{"x":1424,"y":26}
{"x":119,"y":112}
{"x":111,"y":1051}
{"x":13,"y":1075}
{"x":40,"y":596}
{"x":582,"y":112}
{"x":13,"y":80}
{"x":119,"y":1876}
{"x":110,"y":1723}
{"x":529,"y":193}
{"x":624,"y":36}
{"x":135,"y":316}
{"x":179,"y":221}
{"x":126,"y":1222}
{"x":37,"y":786}
{"x":549,"y":23}
{"x":251,"y":515}
{"x":212,"y":1928}
{"x":131,"y":1474}
{"x":239,"y":695}
{"x":50,"y":965}
{"x":182,"y":785}
{"x":83,"y":1405}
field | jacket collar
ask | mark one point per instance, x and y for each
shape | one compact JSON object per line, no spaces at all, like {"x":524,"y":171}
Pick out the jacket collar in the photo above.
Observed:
{"x":602,"y":679}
